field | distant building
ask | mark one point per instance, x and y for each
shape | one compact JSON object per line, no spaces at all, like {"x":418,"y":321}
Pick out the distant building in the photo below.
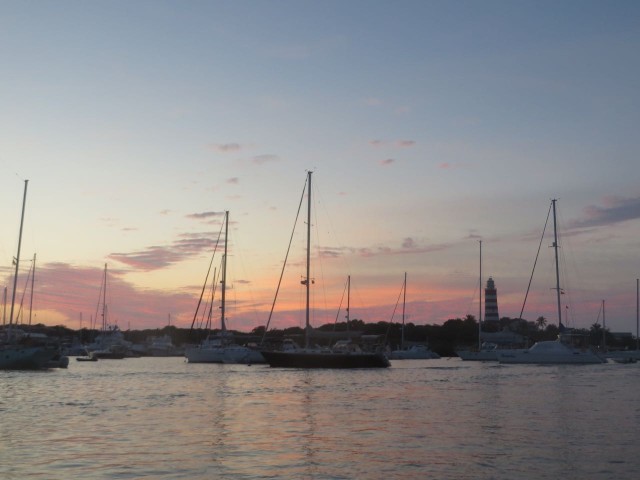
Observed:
{"x":491,"y":302}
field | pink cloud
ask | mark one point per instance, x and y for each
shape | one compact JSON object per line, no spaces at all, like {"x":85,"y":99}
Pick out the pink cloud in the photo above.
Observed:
{"x":225,"y":147}
{"x":262,"y":159}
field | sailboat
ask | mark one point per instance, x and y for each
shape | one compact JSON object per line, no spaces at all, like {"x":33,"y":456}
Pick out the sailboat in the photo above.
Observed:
{"x":486,"y":351}
{"x":17,"y":349}
{"x":410,"y":352}
{"x":110,"y":343}
{"x":344,"y":354}
{"x":222,"y":348}
{"x":558,"y":351}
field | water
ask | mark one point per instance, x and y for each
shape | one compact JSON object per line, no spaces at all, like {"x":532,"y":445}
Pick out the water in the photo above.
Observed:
{"x":164,"y":419}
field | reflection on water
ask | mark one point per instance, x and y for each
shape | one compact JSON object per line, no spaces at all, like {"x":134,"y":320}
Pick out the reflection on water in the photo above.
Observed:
{"x":163,"y":418}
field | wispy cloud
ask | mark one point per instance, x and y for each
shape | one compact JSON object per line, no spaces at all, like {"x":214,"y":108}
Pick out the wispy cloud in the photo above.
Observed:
{"x":394,"y":143}
{"x":615,"y":210}
{"x":233,"y":180}
{"x":386,"y":162}
{"x":205,"y":215}
{"x":262,"y":159}
{"x":407,"y":246}
{"x":160,"y":256}
{"x":225,"y":147}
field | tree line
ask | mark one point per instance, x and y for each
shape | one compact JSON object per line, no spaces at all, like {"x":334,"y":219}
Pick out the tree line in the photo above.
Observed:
{"x":444,"y":339}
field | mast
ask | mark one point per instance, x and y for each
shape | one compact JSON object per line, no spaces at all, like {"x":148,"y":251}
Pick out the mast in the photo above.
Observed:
{"x":17,"y":259}
{"x":223,"y":325}
{"x":404,"y":301}
{"x":480,"y":295}
{"x":348,"y":298}
{"x":604,"y":330}
{"x":307,"y":325}
{"x":637,"y":314}
{"x":555,"y":247}
{"x":33,"y":277}
{"x":104,"y":300}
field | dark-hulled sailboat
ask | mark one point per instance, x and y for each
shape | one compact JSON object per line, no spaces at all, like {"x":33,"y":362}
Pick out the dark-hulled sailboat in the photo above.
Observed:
{"x":344,"y":354}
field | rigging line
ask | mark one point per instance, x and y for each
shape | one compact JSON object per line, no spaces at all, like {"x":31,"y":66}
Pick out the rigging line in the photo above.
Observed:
{"x":320,"y":257}
{"x":266,"y":329}
{"x":95,"y":317}
{"x":205,"y":319}
{"x":394,"y":312}
{"x":340,"y":306}
{"x":24,"y":292}
{"x":204,"y":285}
{"x":535,"y":262}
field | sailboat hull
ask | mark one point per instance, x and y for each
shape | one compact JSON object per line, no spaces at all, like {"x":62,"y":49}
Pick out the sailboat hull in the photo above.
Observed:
{"x":223,"y":354}
{"x":18,"y":357}
{"x":551,"y":352}
{"x":325,"y":359}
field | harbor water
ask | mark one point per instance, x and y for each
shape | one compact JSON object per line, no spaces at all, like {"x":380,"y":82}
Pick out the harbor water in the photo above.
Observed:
{"x":162,"y":418}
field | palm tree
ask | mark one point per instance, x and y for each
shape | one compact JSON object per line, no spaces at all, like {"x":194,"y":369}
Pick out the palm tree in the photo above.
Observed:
{"x":541,"y":322}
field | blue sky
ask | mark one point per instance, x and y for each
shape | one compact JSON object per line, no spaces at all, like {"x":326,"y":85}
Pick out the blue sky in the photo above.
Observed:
{"x":429,"y":126}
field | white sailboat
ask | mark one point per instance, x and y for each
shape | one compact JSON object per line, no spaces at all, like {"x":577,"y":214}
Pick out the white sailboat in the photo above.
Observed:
{"x":22,"y":351}
{"x":410,"y":352}
{"x":559,"y":351}
{"x":486,"y":351}
{"x":110,"y":343}
{"x":222,"y":348}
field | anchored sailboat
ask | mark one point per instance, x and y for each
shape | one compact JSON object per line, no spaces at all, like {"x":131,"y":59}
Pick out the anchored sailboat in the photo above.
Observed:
{"x":344,"y":354}
{"x":222,"y":348}
{"x":19,"y":350}
{"x":110,"y":343}
{"x":553,"y":351}
{"x":414,"y":351}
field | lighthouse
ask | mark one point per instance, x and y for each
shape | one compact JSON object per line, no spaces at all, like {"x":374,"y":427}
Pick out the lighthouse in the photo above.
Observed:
{"x":491,"y":302}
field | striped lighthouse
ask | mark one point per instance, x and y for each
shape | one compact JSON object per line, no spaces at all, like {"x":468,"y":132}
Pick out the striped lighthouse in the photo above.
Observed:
{"x":491,"y":302}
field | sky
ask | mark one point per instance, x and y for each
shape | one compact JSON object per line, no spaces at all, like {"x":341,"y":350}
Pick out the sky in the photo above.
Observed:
{"x":429,"y":126}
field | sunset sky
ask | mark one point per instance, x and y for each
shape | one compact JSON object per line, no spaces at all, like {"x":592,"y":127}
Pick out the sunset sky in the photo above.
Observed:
{"x":429,"y":125}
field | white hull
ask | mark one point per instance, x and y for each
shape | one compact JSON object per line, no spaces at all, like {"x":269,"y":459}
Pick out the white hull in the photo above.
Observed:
{"x":413,"y":353}
{"x":624,"y":355}
{"x":223,"y":354}
{"x":551,"y":352}
{"x":486,"y":355}
{"x":478,"y":356}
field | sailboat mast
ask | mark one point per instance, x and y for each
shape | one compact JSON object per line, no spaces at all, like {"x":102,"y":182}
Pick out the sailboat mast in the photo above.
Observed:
{"x":224,"y":274}
{"x":33,"y":277}
{"x":307,"y":325}
{"x":480,"y":308}
{"x":348,"y":298}
{"x":404,"y":301}
{"x":104,"y":300}
{"x":555,"y":247}
{"x":17,"y":259}
{"x":604,"y":329}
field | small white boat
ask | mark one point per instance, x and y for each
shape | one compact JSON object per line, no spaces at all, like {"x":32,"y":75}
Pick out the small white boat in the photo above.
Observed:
{"x":414,"y":352}
{"x":551,"y":352}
